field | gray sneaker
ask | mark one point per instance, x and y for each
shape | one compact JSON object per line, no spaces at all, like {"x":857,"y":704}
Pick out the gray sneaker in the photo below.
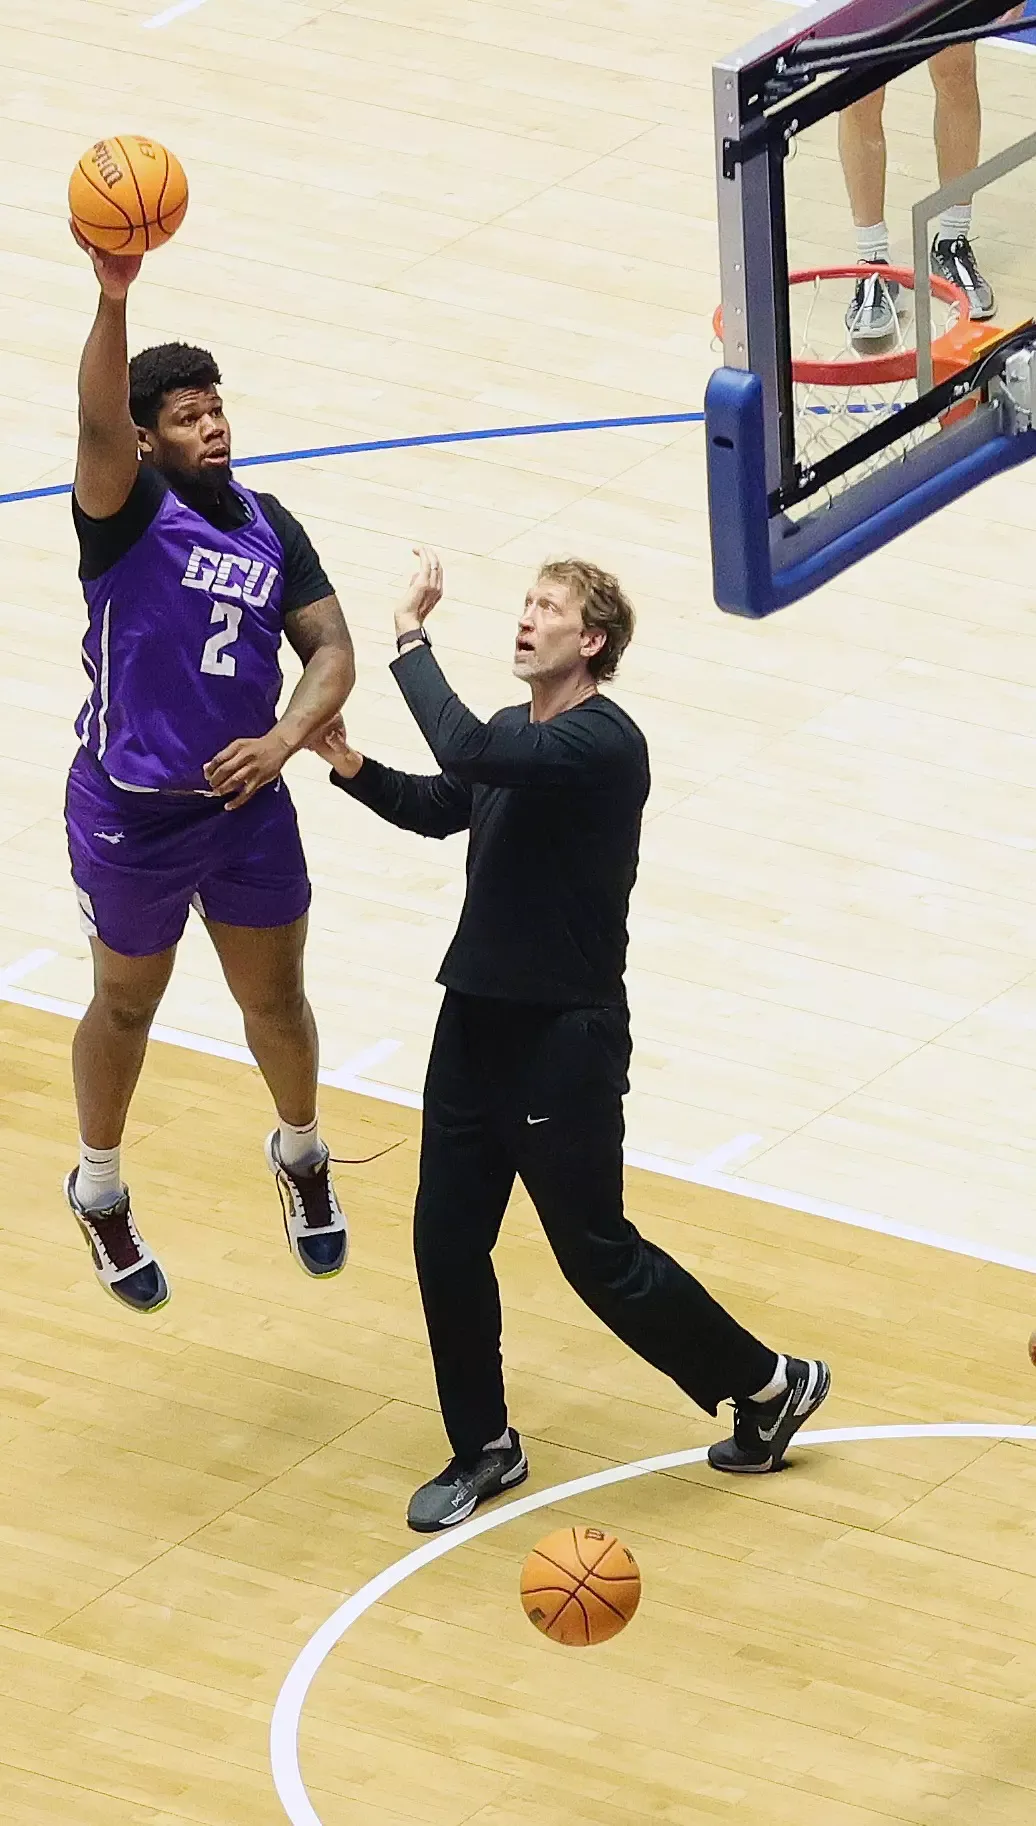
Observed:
{"x":457,"y":1492}
{"x":763,"y":1431}
{"x":871,"y":316}
{"x":955,"y":260}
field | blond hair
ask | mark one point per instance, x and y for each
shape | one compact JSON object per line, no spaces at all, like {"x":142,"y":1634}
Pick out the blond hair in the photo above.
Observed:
{"x":605,"y":605}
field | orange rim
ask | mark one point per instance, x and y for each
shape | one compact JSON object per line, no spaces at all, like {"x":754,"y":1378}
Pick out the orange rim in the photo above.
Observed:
{"x":871,"y":370}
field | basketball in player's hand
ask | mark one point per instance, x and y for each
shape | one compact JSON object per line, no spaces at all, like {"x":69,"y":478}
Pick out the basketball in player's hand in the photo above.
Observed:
{"x":127,"y":195}
{"x":580,"y":1586}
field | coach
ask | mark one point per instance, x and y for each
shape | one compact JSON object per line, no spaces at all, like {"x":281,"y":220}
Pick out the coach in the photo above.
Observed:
{"x":528,"y":1066}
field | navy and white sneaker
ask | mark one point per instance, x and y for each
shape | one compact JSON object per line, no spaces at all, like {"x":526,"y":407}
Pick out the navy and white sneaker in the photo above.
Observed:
{"x":314,"y":1222}
{"x":121,"y":1259}
{"x":955,"y":260}
{"x":871,"y":316}
{"x":763,"y":1430}
{"x":457,"y":1492}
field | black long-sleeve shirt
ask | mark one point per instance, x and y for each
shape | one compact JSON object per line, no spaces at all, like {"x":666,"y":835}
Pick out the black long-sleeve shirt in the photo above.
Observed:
{"x":554,"y":812}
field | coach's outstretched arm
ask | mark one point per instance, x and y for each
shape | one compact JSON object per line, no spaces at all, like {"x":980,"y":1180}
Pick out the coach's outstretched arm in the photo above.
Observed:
{"x":432,"y":805}
{"x":106,"y":461}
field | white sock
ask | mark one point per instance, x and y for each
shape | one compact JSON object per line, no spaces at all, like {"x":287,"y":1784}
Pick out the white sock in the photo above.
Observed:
{"x":98,"y":1181}
{"x":301,"y":1148}
{"x":954,"y":222}
{"x":872,"y":243}
{"x":777,"y":1384}
{"x":501,"y":1444}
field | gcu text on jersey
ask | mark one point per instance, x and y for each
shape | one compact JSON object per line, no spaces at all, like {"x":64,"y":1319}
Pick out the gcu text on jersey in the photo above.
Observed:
{"x":215,"y":572}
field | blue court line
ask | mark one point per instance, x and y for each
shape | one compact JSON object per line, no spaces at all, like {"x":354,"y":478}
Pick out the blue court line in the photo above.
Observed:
{"x":1028,"y":38}
{"x":412,"y":443}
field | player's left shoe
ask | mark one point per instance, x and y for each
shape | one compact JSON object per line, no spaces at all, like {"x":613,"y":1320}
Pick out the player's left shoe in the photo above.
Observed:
{"x":314,"y":1222}
{"x":955,"y":260}
{"x":763,"y":1430}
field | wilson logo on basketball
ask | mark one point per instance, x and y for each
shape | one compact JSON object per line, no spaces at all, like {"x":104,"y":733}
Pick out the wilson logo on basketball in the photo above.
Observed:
{"x":107,"y":168}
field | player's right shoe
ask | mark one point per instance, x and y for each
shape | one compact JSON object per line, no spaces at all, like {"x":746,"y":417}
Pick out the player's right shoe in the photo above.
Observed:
{"x":954,"y":259}
{"x":457,"y":1492}
{"x":871,"y":316}
{"x":763,"y":1430}
{"x":122,"y":1261}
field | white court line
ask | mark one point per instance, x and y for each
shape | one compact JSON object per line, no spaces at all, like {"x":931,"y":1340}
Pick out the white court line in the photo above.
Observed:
{"x":345,"y":1076}
{"x":287,"y":1713}
{"x":22,"y":966}
{"x":698,"y":1174}
{"x":726,"y":1154}
{"x":825,"y":1207}
{"x":171,"y":13}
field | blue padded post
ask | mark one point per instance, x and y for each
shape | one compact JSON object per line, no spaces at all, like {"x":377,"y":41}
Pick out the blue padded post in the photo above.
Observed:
{"x":742,"y":572}
{"x":759,"y":564}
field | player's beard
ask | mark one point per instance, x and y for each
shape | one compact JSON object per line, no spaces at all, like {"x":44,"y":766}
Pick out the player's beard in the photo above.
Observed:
{"x":205,"y":483}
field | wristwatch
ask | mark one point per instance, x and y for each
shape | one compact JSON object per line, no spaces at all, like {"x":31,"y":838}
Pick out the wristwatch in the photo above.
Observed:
{"x":410,"y":638}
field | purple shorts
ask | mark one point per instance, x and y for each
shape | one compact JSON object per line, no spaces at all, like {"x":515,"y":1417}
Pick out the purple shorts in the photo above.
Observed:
{"x":140,"y":861}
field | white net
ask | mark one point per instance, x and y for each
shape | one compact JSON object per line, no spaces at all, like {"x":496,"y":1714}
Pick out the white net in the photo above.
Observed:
{"x":831,"y":413}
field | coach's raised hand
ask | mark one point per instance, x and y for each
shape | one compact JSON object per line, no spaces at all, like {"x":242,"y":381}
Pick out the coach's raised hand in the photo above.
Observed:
{"x":422,"y":594}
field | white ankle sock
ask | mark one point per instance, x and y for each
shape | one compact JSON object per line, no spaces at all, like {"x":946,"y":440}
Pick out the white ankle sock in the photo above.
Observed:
{"x":501,"y":1444}
{"x":777,"y":1384}
{"x":954,"y":222}
{"x":300,"y":1148}
{"x":872,"y":243}
{"x":98,"y":1181}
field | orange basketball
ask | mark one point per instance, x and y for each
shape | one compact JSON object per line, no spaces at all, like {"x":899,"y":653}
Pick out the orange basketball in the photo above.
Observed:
{"x":128,"y":194}
{"x":580,"y":1586}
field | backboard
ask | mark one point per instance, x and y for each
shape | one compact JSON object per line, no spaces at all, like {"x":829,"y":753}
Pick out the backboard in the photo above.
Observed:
{"x":830,"y":431}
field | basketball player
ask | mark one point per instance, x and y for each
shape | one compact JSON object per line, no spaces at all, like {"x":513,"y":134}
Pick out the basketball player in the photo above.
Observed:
{"x":871,"y":315}
{"x":175,"y":796}
{"x":528,"y":1065}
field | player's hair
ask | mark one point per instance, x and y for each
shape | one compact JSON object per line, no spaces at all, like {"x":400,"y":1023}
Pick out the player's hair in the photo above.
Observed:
{"x":161,"y":370}
{"x":605,"y":606}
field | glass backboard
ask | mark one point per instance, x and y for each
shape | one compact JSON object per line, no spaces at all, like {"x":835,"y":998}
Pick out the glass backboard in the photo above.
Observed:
{"x":879,"y":282}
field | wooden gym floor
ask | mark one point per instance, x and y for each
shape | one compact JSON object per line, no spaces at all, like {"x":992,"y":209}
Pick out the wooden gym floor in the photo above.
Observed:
{"x":409,"y":219}
{"x":182,"y":1503}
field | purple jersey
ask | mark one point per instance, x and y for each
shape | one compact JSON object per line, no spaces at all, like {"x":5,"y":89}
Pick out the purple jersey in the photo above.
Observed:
{"x":181,"y":646}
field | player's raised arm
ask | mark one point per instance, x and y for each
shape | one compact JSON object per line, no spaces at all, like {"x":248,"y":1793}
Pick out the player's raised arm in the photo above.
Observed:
{"x":106,"y":461}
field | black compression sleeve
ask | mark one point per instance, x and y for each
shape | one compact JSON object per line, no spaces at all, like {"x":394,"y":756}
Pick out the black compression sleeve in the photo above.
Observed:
{"x":305,"y":579}
{"x":103,"y":542}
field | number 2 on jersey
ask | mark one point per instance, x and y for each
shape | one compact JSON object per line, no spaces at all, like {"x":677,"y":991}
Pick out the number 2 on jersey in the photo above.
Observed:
{"x":214,"y":659}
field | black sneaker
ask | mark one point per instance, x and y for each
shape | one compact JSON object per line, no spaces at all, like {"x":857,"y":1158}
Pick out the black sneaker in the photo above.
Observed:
{"x":955,"y":260}
{"x":457,"y":1492}
{"x":763,"y":1430}
{"x":314,"y":1222}
{"x":122,"y":1261}
{"x":871,"y":316}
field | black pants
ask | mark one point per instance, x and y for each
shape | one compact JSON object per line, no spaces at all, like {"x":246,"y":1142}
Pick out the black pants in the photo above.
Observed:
{"x":533,"y":1092}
